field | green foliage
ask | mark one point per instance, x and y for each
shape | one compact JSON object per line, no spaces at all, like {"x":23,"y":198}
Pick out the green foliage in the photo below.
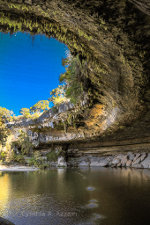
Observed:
{"x":73,"y":79}
{"x":58,"y":95}
{"x":32,"y":162}
{"x":3,"y":155}
{"x":37,"y":155}
{"x":35,"y":111}
{"x":19,"y":158}
{"x":25,"y":112}
{"x":38,"y":161}
{"x":53,"y":155}
{"x":7,"y":152}
{"x":40,"y":106}
{"x":72,"y":82}
{"x":3,"y":131}
{"x":24,"y":143}
{"x":26,"y":22}
{"x":5,"y":116}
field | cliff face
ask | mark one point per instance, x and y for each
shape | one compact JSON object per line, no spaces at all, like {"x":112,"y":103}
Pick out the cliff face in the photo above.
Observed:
{"x":113,"y":38}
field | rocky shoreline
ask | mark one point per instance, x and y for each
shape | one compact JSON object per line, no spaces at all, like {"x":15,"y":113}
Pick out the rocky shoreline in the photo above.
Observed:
{"x":124,"y":160}
{"x":129,"y":159}
{"x":132,"y":160}
{"x":17,"y":168}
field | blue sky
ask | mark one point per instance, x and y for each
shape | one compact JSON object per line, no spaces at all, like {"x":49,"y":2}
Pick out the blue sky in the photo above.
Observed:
{"x":29,"y":69}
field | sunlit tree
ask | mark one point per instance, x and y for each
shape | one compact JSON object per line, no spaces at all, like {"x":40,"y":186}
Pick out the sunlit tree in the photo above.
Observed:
{"x":25,"y":112}
{"x":58,"y":95}
{"x":40,"y":106}
{"x":73,"y":78}
{"x":5,"y":116}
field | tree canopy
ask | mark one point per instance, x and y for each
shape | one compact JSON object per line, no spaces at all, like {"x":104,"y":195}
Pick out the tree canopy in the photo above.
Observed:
{"x":58,"y":95}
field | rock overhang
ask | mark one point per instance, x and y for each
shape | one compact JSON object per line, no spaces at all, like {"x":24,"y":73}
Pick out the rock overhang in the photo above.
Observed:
{"x":113,"y":36}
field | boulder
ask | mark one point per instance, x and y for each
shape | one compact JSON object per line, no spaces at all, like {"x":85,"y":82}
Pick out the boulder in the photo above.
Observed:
{"x":99,"y":161}
{"x":130,"y":156}
{"x":136,"y":156}
{"x":83,"y":161}
{"x":143,"y":156}
{"x":61,"y":162}
{"x":146,"y":162}
{"x":84,"y":164}
{"x":128,"y":163}
{"x":115,"y":161}
{"x":119,"y":164}
{"x":124,"y":160}
{"x":120,"y":156}
{"x":137,"y":161}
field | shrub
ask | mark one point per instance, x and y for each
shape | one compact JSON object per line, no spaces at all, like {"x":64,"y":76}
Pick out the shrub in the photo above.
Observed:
{"x":3,"y":156}
{"x":24,"y":143}
{"x":19,"y":158}
{"x":53,"y":155}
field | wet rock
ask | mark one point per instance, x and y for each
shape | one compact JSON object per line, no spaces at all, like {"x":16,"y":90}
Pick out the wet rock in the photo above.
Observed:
{"x":115,"y":161}
{"x":61,"y":162}
{"x":136,"y":157}
{"x":81,"y":161}
{"x":120,"y":156}
{"x":137,"y":166}
{"x":84,"y":163}
{"x":130,"y":156}
{"x":124,"y":160}
{"x":137,"y":161}
{"x":146,"y":162}
{"x":128,"y":163}
{"x":119,"y":164}
{"x":143,"y":156}
{"x":97,"y":161}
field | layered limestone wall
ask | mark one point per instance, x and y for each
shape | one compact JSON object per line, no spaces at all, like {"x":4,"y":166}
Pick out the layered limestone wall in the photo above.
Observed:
{"x":132,"y":160}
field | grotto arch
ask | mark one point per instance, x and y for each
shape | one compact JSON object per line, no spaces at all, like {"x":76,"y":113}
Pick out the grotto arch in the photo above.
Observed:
{"x":113,"y":38}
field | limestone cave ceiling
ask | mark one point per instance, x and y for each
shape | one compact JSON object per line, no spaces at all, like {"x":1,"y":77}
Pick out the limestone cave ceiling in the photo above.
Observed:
{"x":111,"y":35}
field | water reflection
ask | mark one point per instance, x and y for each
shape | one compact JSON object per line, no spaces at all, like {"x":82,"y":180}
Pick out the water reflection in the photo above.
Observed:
{"x":71,"y":196}
{"x":5,"y":190}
